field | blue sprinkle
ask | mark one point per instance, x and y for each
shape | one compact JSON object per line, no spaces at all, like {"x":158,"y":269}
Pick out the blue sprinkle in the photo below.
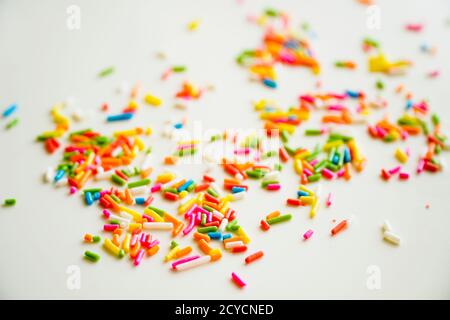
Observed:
{"x":237,"y":189}
{"x":59,"y":175}
{"x":353,"y":94}
{"x":409,"y":104}
{"x":139,"y":200}
{"x":88,"y":198}
{"x":226,"y":236}
{"x":120,"y":117}
{"x":292,"y":44}
{"x":269,"y":83}
{"x":301,"y":193}
{"x":10,"y":110}
{"x":178,"y":125}
{"x":335,"y":159}
{"x":185,"y":185}
{"x":96,"y":196}
{"x":215,"y":235}
{"x":347,"y":156}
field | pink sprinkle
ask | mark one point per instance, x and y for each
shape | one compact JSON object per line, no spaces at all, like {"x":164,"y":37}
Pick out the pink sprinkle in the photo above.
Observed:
{"x":186,"y":146}
{"x":329,"y":199}
{"x":149,"y":219}
{"x":336,"y":107}
{"x":139,"y":257}
{"x":73,"y":190}
{"x":166,"y":74}
{"x":341,"y":173}
{"x":238,"y":281}
{"x":327,"y":173}
{"x":420,"y":166}
{"x":314,"y":162}
{"x":242,"y":151}
{"x":106,"y":213}
{"x":408,"y":152}
{"x":273,"y":187}
{"x":307,"y":172}
{"x":190,"y":226}
{"x":184,"y":260}
{"x":433,"y":74}
{"x":395,"y":170}
{"x":308,"y":234}
{"x":153,"y":243}
{"x":403,"y":175}
{"x":414,"y":27}
{"x":157,"y":187}
{"x":134,"y":240}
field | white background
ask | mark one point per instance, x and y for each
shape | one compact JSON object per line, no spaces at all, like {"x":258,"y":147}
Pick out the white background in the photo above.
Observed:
{"x":42,"y":62}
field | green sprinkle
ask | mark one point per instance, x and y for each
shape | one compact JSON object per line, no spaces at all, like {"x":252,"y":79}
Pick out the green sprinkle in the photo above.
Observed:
{"x":271,"y":12}
{"x":173,"y":244}
{"x":208,"y":208}
{"x":96,"y":238}
{"x":203,"y":222}
{"x":139,"y":183}
{"x":118,"y":180}
{"x":172,"y":190}
{"x":254,"y":174}
{"x":9,"y":202}
{"x":207,"y":229}
{"x":269,"y":154}
{"x":115,"y":198}
{"x":435,"y":119}
{"x":157,"y":210}
{"x":12,"y":123}
{"x":191,"y":187}
{"x":278,"y":167}
{"x":114,"y":221}
{"x":216,"y":137}
{"x":92,"y":190}
{"x":315,"y":177}
{"x":284,"y":135}
{"x":379,"y":85}
{"x":91,"y":256}
{"x":313,"y":132}
{"x":279,"y":219}
{"x":179,"y":69}
{"x":106,"y":72}
{"x":212,"y":192}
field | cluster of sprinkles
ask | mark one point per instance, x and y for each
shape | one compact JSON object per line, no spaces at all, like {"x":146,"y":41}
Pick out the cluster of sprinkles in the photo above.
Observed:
{"x":281,"y":45}
{"x":8,"y":112}
{"x":131,"y":217}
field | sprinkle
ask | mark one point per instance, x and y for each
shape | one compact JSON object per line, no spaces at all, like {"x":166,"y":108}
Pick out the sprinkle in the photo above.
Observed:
{"x":329,"y":200}
{"x":91,"y":256}
{"x":237,"y":280}
{"x":9,"y":110}
{"x":120,"y":117}
{"x":391,"y":237}
{"x":9,"y":202}
{"x":12,"y":123}
{"x":279,"y":219}
{"x":253,"y":257}
{"x":106,"y":72}
{"x":414,"y":27}
{"x":403,"y":176}
{"x":308,"y":234}
{"x":342,"y":225}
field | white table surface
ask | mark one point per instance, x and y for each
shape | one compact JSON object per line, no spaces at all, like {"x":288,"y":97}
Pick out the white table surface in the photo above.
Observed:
{"x":42,"y":62}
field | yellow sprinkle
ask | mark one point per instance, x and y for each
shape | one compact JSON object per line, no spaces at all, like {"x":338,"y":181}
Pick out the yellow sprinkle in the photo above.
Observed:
{"x":152,"y":100}
{"x":193,"y":25}
{"x":401,"y":155}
